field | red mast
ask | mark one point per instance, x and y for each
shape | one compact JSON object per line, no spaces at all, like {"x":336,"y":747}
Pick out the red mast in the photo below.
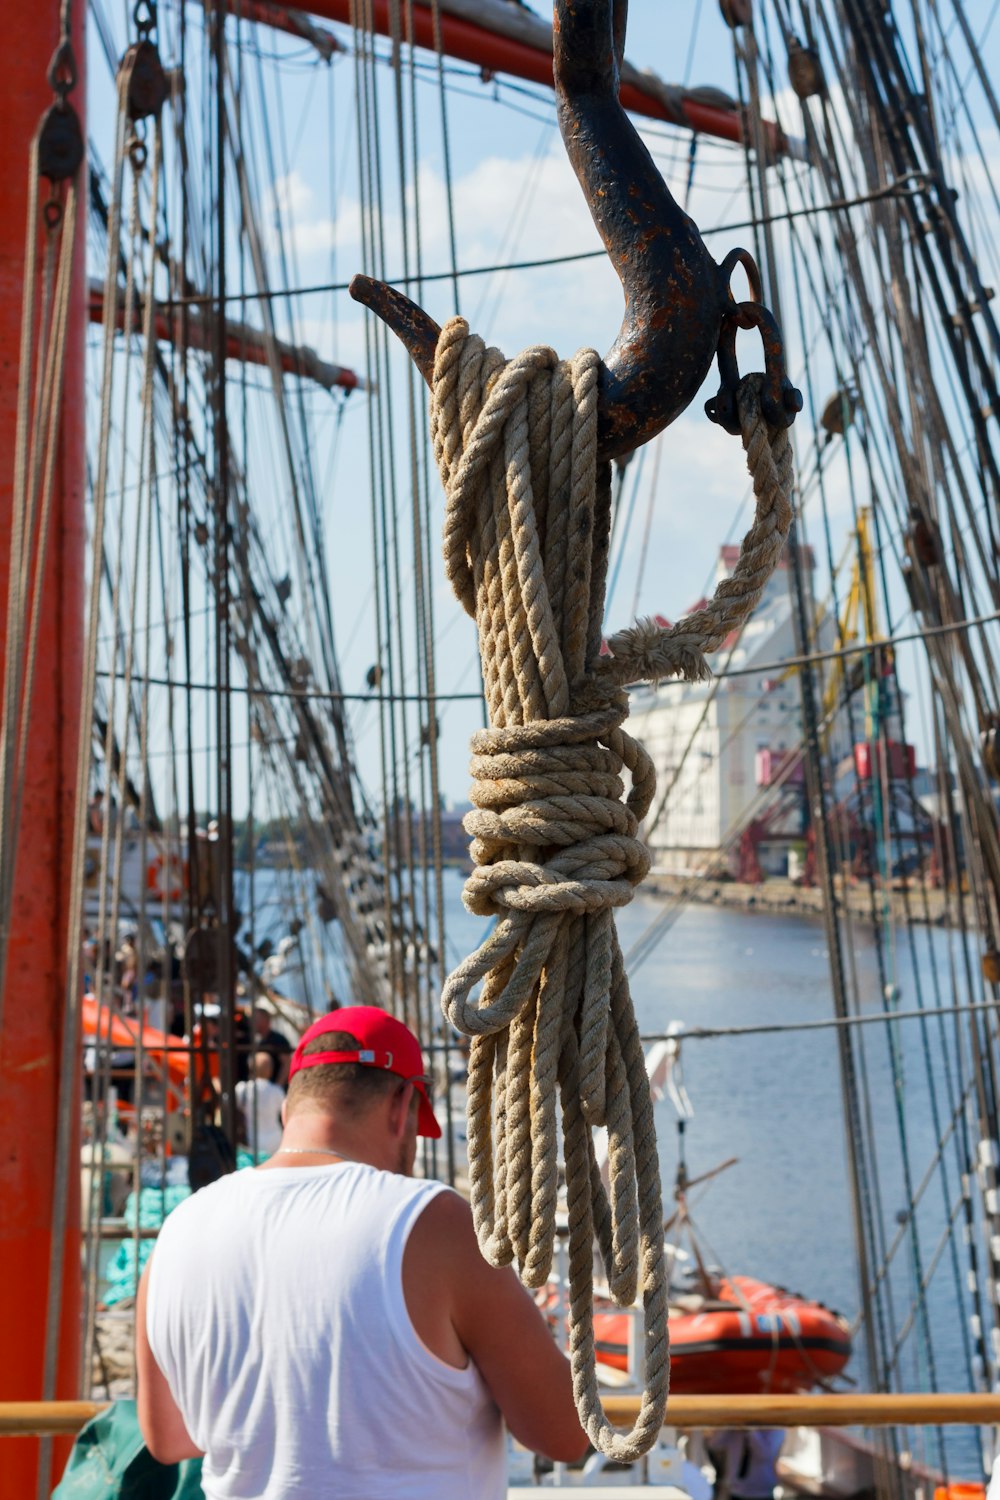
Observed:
{"x":35,"y":985}
{"x":523,"y":48}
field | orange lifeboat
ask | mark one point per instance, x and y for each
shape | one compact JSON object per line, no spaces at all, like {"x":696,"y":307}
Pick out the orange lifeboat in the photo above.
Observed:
{"x":168,"y":1053}
{"x":746,"y":1337}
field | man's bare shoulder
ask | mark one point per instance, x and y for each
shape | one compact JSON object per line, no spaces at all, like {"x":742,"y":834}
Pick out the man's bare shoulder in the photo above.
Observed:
{"x":444,"y":1237}
{"x":447,"y":1220}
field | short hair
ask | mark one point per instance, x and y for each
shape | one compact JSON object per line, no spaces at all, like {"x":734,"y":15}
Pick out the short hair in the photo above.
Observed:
{"x":347,"y":1087}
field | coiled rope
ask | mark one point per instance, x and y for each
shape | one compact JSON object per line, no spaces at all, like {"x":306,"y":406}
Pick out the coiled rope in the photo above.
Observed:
{"x":556,"y":849}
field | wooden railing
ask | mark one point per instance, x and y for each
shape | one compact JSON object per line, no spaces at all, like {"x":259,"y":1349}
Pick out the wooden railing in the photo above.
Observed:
{"x":25,"y":1418}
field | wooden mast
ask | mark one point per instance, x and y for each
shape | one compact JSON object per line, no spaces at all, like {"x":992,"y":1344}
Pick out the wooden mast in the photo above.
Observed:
{"x":35,"y":986}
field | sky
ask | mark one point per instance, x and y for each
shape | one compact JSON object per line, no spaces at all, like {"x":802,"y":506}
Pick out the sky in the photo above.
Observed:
{"x":514,"y":198}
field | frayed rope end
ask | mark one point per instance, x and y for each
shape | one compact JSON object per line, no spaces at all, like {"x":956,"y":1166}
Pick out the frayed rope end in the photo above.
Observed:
{"x":649,"y":652}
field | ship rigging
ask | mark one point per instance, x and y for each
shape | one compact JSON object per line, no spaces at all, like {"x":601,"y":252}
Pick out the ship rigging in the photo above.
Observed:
{"x":268,"y":685}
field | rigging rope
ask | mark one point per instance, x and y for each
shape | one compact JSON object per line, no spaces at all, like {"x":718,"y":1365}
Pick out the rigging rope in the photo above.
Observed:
{"x":526,"y":547}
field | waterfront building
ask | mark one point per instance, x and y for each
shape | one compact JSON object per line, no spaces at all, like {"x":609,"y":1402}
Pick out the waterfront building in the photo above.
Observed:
{"x":727,"y":751}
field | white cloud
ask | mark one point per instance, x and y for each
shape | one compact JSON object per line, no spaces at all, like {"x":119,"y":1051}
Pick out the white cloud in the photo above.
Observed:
{"x":292,"y":213}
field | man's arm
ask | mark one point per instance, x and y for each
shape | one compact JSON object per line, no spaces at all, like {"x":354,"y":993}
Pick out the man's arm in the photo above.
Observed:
{"x":498,"y":1324}
{"x":160,"y":1422}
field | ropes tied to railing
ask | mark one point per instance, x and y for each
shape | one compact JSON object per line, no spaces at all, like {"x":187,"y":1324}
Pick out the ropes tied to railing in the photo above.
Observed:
{"x":556,"y":848}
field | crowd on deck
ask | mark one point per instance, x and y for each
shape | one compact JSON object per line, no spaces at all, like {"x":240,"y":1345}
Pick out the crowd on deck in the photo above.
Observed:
{"x":155,"y":1001}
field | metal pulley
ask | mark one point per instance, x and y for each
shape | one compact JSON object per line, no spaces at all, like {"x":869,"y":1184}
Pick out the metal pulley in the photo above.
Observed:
{"x":838,"y":413}
{"x":805,"y":71}
{"x":60,"y":139}
{"x":60,"y":142}
{"x":147,"y":82}
{"x":923,"y":539}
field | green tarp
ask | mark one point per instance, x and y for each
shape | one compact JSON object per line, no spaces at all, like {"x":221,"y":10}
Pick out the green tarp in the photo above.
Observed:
{"x":110,"y":1461}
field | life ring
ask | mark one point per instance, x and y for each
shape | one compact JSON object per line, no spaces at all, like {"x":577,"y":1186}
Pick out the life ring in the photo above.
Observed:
{"x":167,"y":877}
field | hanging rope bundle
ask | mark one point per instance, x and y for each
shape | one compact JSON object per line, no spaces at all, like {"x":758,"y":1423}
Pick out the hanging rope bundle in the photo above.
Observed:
{"x":556,"y":849}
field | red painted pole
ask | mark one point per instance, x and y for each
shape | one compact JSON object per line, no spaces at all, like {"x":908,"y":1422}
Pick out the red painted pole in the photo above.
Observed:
{"x":242,"y":342}
{"x":35,"y":986}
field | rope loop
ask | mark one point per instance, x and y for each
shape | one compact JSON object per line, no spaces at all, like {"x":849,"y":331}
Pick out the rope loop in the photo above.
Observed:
{"x":647,"y":652}
{"x":555,"y":838}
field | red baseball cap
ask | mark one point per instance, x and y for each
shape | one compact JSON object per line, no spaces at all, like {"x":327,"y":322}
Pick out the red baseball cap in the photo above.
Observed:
{"x":383,"y":1042}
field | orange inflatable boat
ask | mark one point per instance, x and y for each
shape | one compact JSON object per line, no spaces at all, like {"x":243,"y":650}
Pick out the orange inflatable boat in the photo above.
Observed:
{"x":746,"y":1337}
{"x":167,"y":1053}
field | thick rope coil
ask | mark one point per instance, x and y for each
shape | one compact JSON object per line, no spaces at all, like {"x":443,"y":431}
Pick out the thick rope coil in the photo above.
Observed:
{"x":556,"y":849}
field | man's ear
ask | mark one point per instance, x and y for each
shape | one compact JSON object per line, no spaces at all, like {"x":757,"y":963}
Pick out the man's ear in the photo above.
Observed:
{"x":400,"y":1108}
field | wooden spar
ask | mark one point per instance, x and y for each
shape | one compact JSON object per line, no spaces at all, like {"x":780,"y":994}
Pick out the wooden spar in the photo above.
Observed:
{"x":282,"y":18}
{"x":685,"y":1412}
{"x":698,"y":110}
{"x":242,"y":342}
{"x":35,"y":986}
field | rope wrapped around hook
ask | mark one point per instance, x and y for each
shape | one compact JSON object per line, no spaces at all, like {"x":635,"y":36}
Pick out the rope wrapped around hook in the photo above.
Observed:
{"x":556,"y":847}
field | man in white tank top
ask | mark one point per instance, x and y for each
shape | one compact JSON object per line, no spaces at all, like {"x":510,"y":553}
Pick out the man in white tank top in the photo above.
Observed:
{"x":325,"y":1325}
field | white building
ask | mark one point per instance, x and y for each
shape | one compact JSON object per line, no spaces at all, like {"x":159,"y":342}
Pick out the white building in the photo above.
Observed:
{"x":718,"y":745}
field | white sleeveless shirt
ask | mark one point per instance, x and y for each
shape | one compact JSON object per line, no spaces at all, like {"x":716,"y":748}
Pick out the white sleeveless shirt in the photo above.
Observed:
{"x":275,"y":1310}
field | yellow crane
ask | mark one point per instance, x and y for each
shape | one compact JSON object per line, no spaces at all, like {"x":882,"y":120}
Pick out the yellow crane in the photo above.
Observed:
{"x":859,"y":611}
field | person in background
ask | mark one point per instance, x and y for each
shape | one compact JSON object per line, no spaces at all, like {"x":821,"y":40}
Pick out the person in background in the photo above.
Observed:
{"x":127,"y":962}
{"x":266,"y":1039}
{"x":361,"y":1348}
{"x":260,"y":1101}
{"x":745,"y":1461}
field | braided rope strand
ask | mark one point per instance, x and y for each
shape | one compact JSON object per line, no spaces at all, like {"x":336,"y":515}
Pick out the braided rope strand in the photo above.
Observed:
{"x":556,"y":848}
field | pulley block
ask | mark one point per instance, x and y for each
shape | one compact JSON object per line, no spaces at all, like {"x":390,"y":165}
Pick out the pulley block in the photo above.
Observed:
{"x":60,"y":142}
{"x":805,"y":71}
{"x":147,"y":82}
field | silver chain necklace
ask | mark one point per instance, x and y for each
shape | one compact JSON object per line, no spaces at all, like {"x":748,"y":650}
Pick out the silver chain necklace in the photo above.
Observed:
{"x":307,"y":1151}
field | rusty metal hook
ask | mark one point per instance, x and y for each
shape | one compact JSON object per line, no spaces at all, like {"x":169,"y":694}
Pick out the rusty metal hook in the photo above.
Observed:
{"x":679,"y":310}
